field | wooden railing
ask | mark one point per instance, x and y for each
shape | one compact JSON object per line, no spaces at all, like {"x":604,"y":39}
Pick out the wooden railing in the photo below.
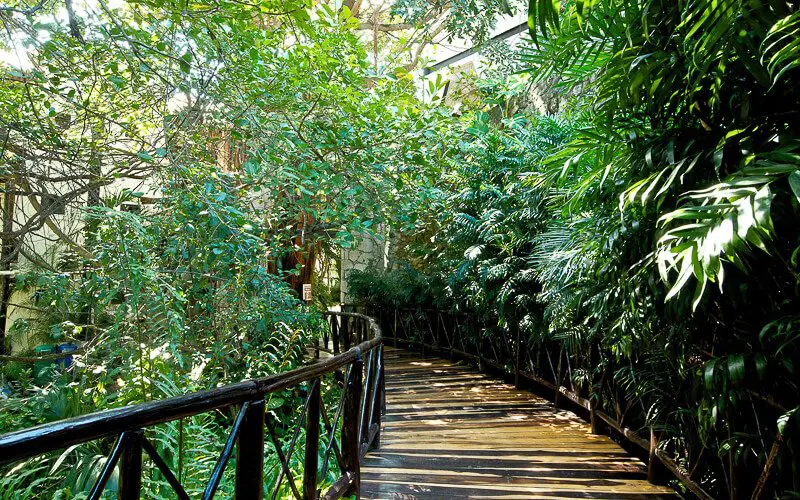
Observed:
{"x":462,"y":335}
{"x":357,"y":372}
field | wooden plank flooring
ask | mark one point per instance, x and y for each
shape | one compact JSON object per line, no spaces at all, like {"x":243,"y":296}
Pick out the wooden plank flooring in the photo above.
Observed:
{"x":451,"y":432}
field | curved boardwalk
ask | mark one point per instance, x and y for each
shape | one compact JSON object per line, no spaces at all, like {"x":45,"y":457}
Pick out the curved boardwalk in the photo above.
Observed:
{"x":451,"y":432}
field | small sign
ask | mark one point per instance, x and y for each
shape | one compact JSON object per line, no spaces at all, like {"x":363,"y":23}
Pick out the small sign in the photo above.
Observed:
{"x":307,"y":292}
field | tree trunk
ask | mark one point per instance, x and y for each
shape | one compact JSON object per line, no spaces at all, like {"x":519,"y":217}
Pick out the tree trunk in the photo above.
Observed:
{"x":6,"y":256}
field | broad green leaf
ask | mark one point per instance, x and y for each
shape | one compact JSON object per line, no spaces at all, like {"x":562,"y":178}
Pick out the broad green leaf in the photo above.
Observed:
{"x":794,"y":183}
{"x":736,"y":368}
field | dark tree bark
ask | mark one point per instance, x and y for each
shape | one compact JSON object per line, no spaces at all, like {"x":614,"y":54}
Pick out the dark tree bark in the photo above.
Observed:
{"x":6,"y":256}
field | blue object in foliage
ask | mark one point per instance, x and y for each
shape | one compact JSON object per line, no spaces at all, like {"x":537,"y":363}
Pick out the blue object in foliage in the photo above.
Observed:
{"x":66,"y":362}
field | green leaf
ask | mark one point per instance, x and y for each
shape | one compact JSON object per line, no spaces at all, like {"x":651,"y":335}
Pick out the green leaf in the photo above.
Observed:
{"x":760,"y":362}
{"x":698,"y":293}
{"x":708,"y":374}
{"x":786,"y":419}
{"x":275,"y":402}
{"x":794,"y":183}
{"x":683,"y":276}
{"x":118,"y":81}
{"x":736,"y":368}
{"x":185,"y":61}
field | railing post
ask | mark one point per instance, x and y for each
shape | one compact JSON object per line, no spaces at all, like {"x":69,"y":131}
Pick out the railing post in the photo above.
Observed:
{"x":479,"y":345}
{"x":594,"y":420}
{"x":655,"y":469}
{"x":335,"y":333}
{"x":380,"y":399}
{"x":518,"y":355}
{"x":557,"y":395}
{"x":394,"y":331}
{"x":327,"y":334}
{"x":594,"y":397}
{"x":421,"y":332}
{"x":366,"y":403}
{"x":345,"y":332}
{"x":451,"y":337}
{"x":130,"y":467}
{"x":350,"y":425}
{"x":312,"y":443}
{"x":437,"y":333}
{"x":250,"y":454}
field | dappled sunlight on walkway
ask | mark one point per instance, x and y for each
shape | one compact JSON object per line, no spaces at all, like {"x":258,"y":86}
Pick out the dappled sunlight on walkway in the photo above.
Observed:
{"x":451,"y":432}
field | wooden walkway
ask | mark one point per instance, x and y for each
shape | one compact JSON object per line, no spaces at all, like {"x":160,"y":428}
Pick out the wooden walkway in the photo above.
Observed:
{"x":451,"y":432}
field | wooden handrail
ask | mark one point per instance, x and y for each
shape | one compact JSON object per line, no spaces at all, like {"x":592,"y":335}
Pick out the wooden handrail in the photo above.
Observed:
{"x":128,"y":420}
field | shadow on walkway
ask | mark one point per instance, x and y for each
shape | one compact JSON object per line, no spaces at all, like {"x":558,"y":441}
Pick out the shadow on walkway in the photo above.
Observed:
{"x":451,"y":432}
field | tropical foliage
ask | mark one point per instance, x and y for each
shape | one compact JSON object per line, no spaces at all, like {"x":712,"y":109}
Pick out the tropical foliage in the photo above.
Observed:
{"x":171,"y":175}
{"x":173,"y":172}
{"x":649,"y":230}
